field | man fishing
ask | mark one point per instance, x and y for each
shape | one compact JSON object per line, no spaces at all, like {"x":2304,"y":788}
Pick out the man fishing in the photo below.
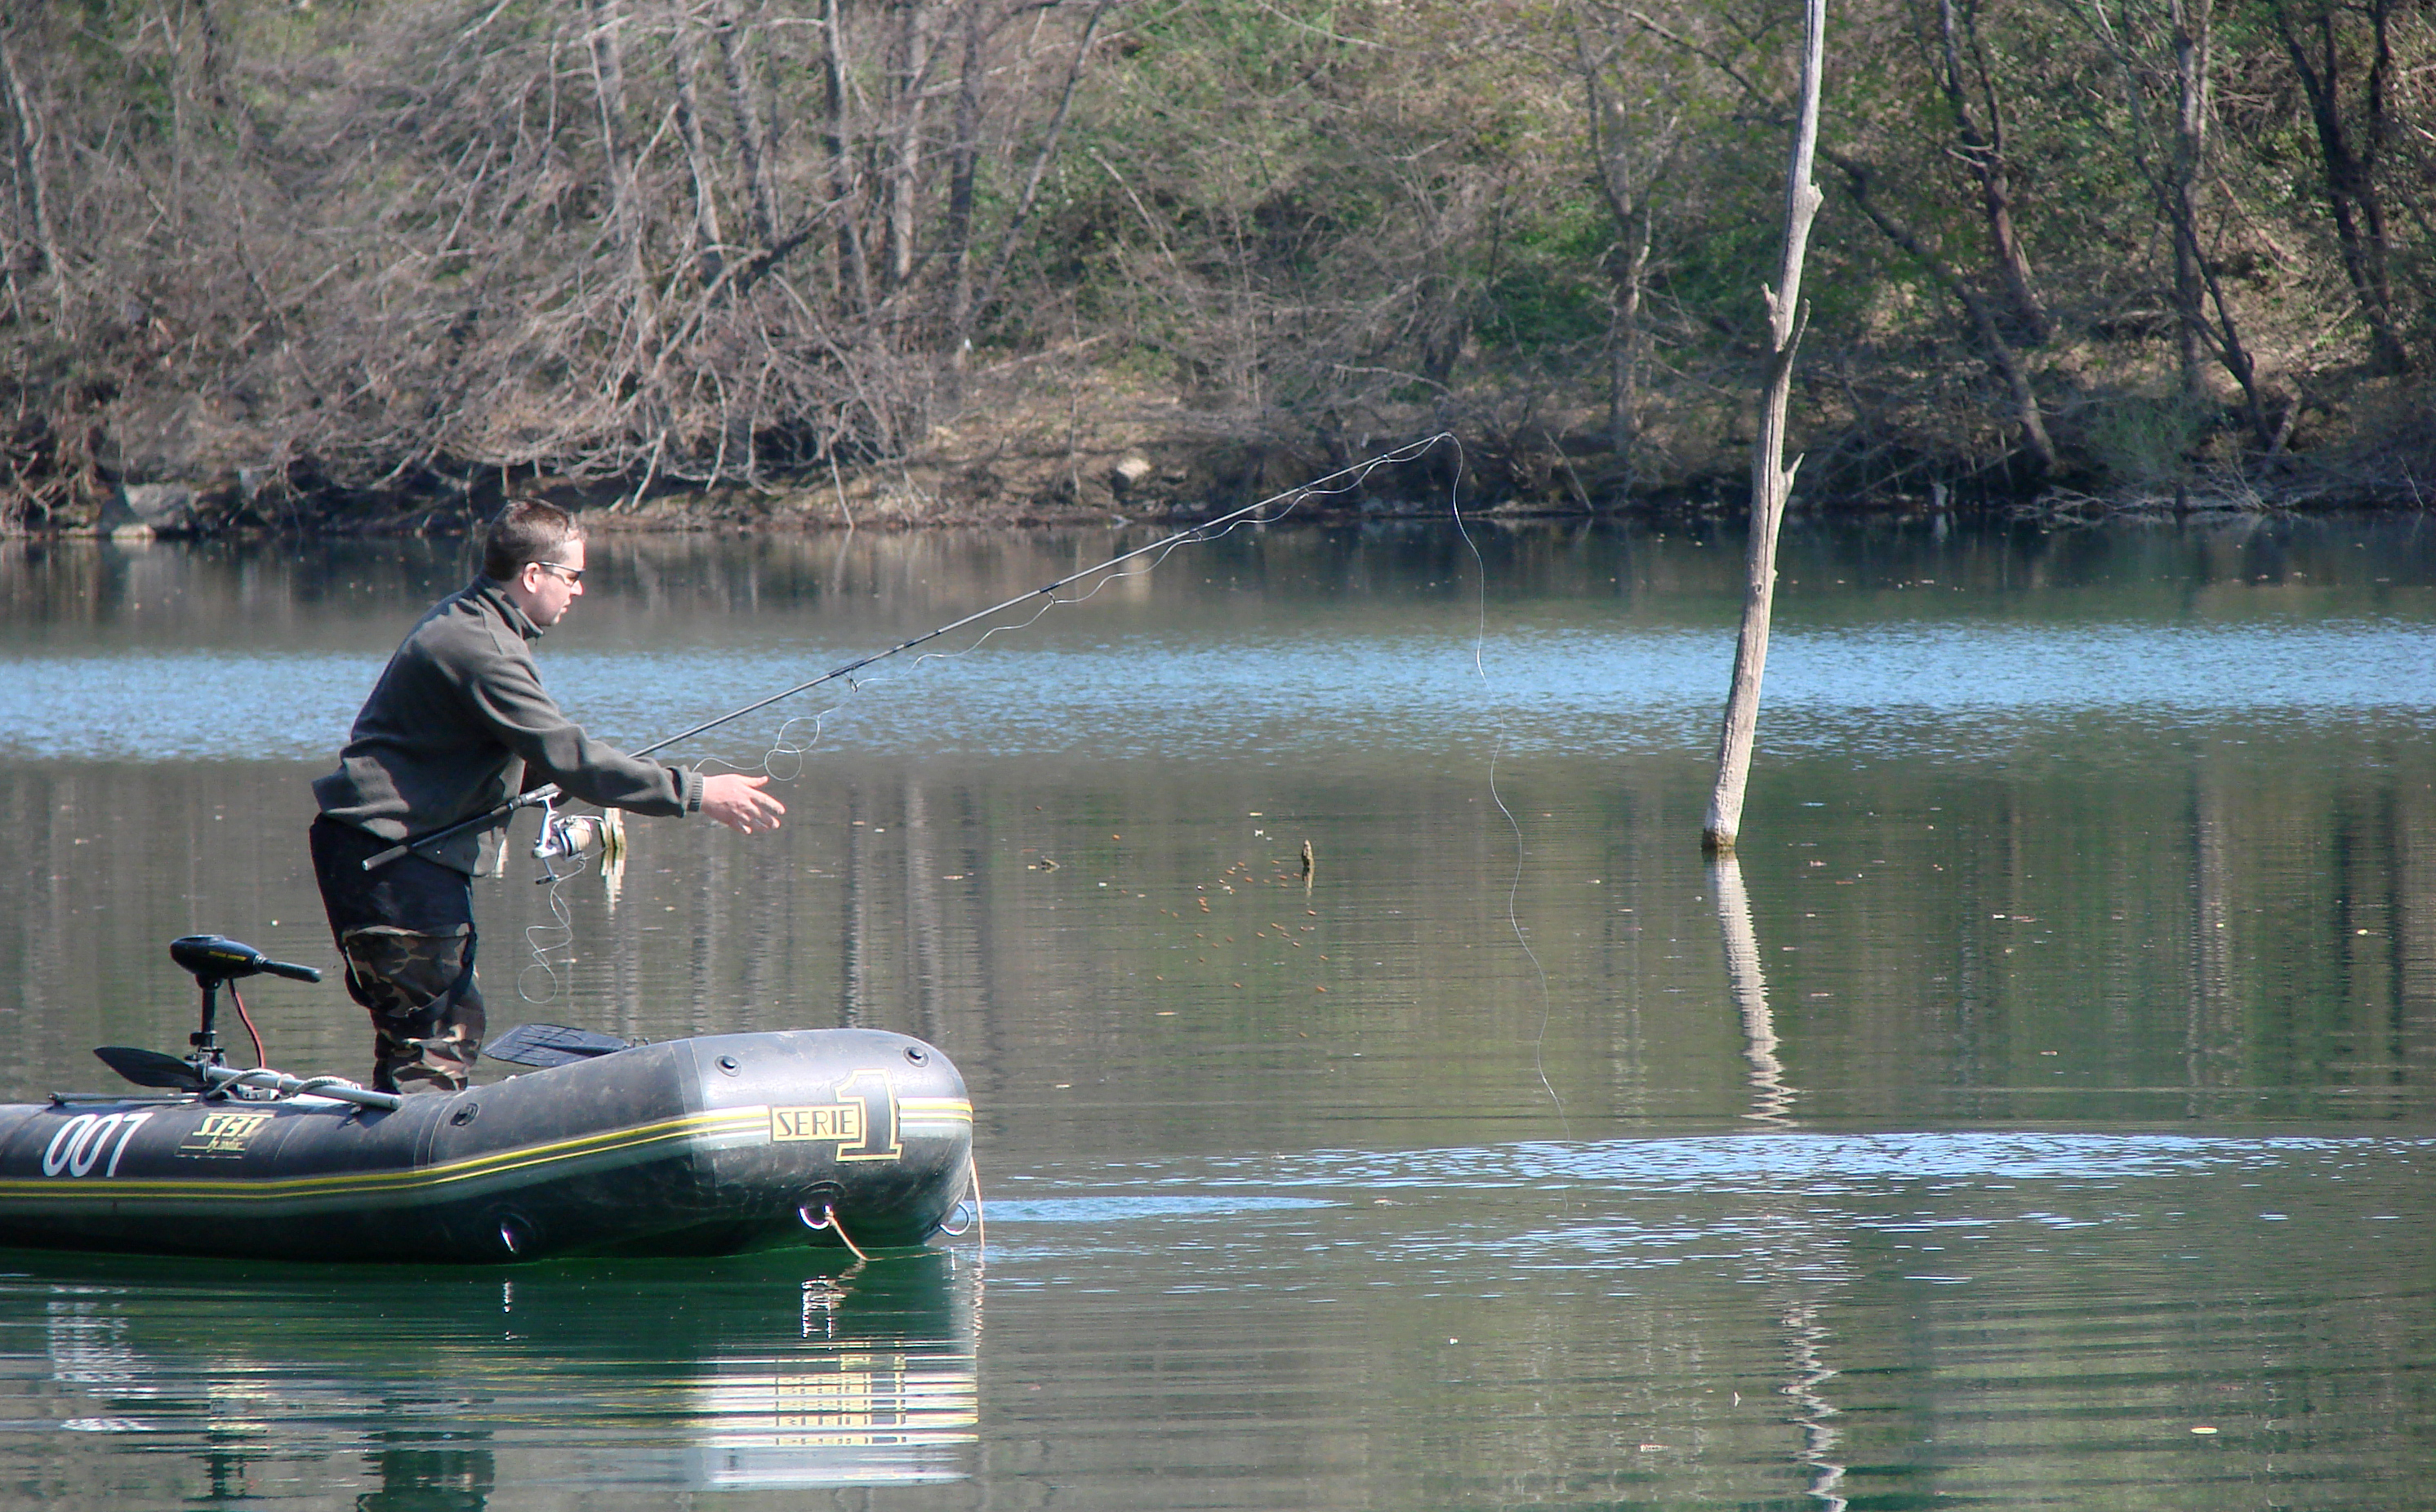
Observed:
{"x":457,"y":724}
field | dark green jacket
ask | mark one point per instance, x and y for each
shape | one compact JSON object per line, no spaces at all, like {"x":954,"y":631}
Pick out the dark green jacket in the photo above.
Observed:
{"x":458,"y":723}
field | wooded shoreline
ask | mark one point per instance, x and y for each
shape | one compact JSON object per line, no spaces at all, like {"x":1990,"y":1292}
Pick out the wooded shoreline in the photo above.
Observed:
{"x":343,"y":264}
{"x":1118,"y":473}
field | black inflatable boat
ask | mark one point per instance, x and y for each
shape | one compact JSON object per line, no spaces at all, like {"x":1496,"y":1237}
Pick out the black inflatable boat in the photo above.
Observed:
{"x":709,"y":1145}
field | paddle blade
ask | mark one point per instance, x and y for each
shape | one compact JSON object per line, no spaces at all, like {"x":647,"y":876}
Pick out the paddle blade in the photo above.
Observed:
{"x":552,"y":1045}
{"x":149,"y":1067}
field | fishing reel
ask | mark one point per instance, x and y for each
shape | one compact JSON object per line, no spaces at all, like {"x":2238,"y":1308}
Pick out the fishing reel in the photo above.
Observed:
{"x":575,"y":838}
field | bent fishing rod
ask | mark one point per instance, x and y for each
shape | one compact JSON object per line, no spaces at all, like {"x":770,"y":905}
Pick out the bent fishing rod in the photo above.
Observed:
{"x":1206,"y":530}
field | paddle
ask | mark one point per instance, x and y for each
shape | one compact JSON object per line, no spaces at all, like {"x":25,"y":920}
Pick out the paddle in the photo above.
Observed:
{"x":553,"y":1045}
{"x":150,"y":1067}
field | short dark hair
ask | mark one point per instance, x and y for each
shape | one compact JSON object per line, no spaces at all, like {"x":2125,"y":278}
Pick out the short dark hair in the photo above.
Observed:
{"x":526,"y":531}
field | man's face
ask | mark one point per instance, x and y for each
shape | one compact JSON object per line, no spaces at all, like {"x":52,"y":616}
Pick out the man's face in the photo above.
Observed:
{"x":551,"y":587}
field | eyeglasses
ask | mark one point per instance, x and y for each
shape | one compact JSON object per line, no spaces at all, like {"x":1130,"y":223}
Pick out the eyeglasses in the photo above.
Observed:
{"x":570,"y":574}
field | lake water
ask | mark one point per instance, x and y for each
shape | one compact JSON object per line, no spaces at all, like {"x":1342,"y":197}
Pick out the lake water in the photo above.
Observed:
{"x":2041,"y":1113}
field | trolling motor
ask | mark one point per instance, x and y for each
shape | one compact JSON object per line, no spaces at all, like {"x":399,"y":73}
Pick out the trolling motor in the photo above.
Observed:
{"x":216,"y":960}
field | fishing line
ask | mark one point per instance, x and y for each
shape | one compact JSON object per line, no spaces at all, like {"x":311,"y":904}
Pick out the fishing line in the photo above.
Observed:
{"x":1156,"y":552}
{"x":546,"y":949}
{"x":1351,"y":478}
{"x":784,"y":750}
{"x":1514,"y":886}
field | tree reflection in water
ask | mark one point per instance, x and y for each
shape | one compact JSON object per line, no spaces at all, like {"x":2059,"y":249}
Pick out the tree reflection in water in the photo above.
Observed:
{"x":1804,"y":1257}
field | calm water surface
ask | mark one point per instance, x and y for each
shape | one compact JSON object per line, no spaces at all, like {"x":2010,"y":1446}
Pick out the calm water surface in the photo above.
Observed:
{"x":2041,"y":1114}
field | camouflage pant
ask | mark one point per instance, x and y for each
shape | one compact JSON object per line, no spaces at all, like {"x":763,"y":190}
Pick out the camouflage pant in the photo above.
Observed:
{"x":426,"y":1009}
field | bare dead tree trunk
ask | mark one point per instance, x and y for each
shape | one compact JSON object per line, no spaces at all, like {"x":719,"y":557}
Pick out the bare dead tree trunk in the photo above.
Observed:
{"x":752,"y":148}
{"x":683,"y":63}
{"x":1771,"y":480}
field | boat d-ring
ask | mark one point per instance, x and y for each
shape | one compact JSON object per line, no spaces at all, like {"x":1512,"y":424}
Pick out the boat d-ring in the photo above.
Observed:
{"x":828,"y":1219}
{"x":959,"y":1221}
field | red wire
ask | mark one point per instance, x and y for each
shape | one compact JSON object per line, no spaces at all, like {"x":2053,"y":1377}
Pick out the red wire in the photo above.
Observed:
{"x":239,"y":999}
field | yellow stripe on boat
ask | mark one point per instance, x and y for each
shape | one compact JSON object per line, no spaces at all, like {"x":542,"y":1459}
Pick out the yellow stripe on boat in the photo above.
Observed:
{"x":608,"y":1148}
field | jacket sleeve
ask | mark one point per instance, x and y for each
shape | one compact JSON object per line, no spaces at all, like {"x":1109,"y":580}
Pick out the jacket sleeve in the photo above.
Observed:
{"x":507,"y":695}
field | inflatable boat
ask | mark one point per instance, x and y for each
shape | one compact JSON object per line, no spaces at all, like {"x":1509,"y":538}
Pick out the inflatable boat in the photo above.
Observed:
{"x":720,"y":1144}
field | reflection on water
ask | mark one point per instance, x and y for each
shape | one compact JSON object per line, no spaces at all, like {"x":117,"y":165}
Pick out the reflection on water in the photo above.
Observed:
{"x":1799,"y":1295}
{"x":1767,"y":1318}
{"x":747,"y":1375}
{"x":1771,"y":1099}
{"x":2036,"y":1112}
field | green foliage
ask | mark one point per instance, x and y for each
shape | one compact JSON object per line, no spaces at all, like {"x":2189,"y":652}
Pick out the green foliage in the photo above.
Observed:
{"x":1543,"y":295}
{"x":2144,"y":442}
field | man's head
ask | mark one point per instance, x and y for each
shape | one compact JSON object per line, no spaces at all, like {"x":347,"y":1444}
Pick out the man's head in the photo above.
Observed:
{"x":536,"y":550}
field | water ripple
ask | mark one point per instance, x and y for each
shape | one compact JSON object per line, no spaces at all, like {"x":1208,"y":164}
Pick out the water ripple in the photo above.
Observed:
{"x":1552,"y":689}
{"x":1826,"y":1163}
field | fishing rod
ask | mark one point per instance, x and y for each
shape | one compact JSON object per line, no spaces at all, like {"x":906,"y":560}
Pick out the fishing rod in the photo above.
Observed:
{"x":1208,"y":529}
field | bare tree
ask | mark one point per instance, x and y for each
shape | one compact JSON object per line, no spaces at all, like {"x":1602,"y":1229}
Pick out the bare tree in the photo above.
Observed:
{"x":2163,"y":59}
{"x":1771,"y":480}
{"x":33,"y":252}
{"x":752,"y":148}
{"x":2351,"y":145}
{"x":389,"y":258}
{"x":684,"y":67}
{"x":1861,"y":178}
{"x":1632,"y":156}
{"x":1977,"y":103}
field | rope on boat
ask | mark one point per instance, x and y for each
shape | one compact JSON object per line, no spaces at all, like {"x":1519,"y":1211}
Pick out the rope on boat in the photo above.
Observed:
{"x":978,"y":1227}
{"x":828,"y":1219}
{"x":981,"y":1219}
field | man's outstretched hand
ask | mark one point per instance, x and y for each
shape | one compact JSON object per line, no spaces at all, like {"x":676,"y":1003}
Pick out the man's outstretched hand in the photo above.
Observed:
{"x":737,"y":802}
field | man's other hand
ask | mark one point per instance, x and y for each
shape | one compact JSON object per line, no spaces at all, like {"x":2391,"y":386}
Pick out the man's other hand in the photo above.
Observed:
{"x":737,"y":802}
